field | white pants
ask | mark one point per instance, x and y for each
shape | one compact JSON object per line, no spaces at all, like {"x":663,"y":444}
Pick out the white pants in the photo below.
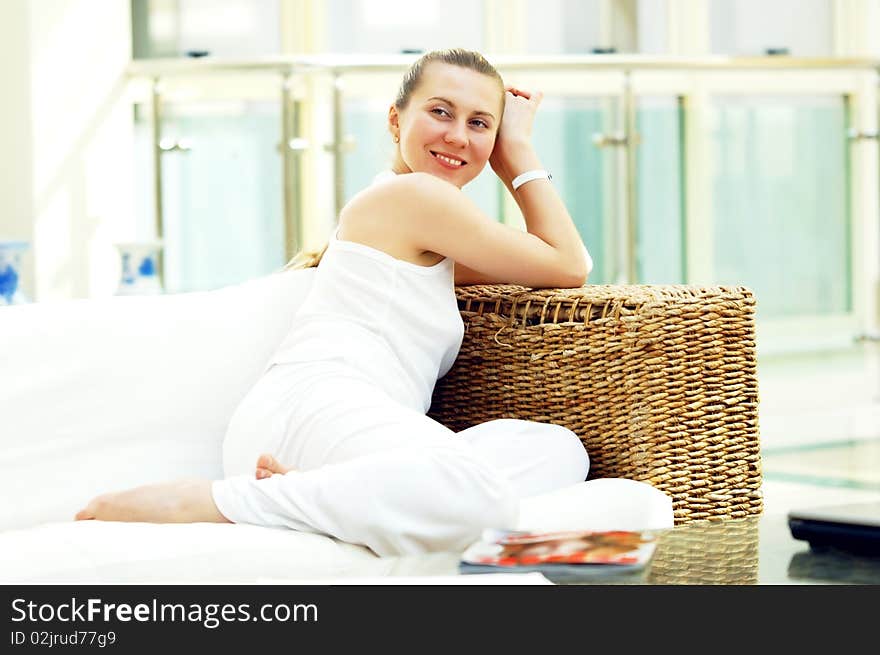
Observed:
{"x":371,"y":471}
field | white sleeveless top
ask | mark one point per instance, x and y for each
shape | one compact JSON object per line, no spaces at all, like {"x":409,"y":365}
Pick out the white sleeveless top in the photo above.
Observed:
{"x":395,"y":322}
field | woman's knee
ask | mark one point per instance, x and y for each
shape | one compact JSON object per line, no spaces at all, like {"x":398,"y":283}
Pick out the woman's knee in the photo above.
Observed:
{"x":547,"y":455}
{"x":557,"y":448}
{"x":536,"y":457}
{"x":567,"y":452}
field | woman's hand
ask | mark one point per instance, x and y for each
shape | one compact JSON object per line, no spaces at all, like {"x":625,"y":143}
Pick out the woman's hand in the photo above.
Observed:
{"x":513,"y":152}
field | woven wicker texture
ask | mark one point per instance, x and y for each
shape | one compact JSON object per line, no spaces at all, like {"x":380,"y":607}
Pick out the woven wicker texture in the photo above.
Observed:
{"x":659,"y":382}
{"x":707,"y":553}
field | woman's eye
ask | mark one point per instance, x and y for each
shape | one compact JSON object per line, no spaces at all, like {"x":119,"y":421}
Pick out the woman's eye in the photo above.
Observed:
{"x":440,"y":110}
{"x":479,"y":122}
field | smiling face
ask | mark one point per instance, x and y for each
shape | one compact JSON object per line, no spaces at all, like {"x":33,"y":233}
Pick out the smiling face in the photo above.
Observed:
{"x":448,"y":127}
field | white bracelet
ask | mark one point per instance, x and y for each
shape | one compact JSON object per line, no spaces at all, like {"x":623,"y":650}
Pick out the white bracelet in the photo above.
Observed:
{"x":528,"y":176}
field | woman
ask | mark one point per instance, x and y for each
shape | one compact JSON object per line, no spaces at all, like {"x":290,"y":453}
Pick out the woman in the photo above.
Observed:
{"x":339,"y":414}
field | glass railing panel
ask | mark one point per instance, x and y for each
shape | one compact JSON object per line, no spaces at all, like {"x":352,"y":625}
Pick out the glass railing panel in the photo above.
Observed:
{"x":780,"y":203}
{"x":366,"y":122}
{"x":584,"y":175}
{"x":222,"y":198}
{"x":660,"y":246}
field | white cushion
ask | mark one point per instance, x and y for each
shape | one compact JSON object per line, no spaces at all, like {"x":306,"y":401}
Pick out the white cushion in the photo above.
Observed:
{"x":105,"y":394}
{"x":98,"y":551}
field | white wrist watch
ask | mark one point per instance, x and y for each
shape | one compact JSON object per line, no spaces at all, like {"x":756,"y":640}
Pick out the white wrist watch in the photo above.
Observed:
{"x":528,"y":176}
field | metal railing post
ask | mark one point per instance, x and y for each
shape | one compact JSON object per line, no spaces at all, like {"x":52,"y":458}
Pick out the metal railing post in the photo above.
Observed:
{"x":631,"y":142}
{"x":337,"y":148}
{"x":292,"y":240}
{"x":625,"y":140}
{"x":292,"y":146}
{"x":156,"y":118}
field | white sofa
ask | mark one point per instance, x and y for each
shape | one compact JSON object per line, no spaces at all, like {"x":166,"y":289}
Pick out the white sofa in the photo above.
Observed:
{"x":105,"y":394}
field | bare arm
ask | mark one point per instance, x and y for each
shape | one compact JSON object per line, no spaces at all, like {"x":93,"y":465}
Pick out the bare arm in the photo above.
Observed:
{"x":465,"y":276}
{"x":545,"y":214}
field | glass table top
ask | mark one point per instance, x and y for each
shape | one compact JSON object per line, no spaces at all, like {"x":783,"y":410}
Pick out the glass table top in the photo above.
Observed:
{"x":756,"y":550}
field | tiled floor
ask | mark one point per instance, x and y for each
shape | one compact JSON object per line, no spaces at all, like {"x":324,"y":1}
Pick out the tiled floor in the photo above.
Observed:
{"x":840,"y":465}
{"x":821,"y":476}
{"x":785,"y":489}
{"x":820,"y":429}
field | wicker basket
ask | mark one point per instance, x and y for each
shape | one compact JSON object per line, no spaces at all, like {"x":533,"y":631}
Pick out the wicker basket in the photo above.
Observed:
{"x":659,"y":382}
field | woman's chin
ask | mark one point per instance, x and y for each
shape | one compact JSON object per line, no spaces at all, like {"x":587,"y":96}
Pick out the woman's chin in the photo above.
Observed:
{"x":451,"y":176}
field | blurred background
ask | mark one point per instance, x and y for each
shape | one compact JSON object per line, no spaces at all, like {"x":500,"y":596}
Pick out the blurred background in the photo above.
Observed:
{"x":695,"y":141}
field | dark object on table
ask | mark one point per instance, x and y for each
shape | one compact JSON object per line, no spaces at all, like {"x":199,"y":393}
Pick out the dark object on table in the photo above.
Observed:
{"x":852,"y":528}
{"x":195,"y":54}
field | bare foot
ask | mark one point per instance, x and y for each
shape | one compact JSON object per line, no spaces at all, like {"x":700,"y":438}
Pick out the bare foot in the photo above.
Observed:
{"x":267,"y":466}
{"x":183,"y":501}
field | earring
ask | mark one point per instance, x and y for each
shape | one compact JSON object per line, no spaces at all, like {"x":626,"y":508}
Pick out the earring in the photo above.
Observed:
{"x":396,"y":139}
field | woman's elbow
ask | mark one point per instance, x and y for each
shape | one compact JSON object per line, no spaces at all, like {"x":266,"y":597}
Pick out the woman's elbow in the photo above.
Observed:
{"x":578,"y":273}
{"x":573,"y":278}
{"x":576,"y":281}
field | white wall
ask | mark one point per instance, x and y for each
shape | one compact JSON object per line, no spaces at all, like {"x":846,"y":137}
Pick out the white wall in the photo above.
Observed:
{"x":388,"y":26}
{"x":232,"y":28}
{"x":16,"y":186}
{"x":651,"y":27}
{"x":67,"y":182}
{"x":749,"y":27}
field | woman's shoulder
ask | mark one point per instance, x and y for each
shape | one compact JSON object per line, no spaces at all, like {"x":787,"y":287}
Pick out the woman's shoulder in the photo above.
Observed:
{"x":400,"y":194}
{"x":415,"y":183}
{"x":387,"y":214}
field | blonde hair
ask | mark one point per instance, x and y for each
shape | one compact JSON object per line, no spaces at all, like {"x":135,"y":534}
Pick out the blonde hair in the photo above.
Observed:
{"x":305,"y":259}
{"x":411,"y":79}
{"x":454,"y":56}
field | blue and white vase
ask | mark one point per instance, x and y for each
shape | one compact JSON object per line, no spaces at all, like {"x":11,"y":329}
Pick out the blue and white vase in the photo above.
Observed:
{"x":140,"y":268}
{"x":10,"y":272}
